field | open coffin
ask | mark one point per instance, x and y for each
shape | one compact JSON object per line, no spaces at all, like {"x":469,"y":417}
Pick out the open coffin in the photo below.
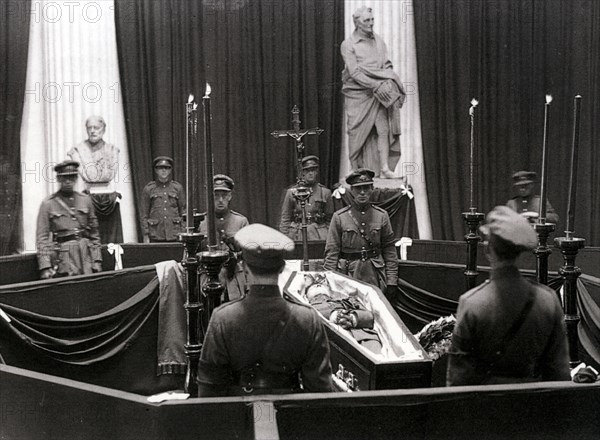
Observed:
{"x":402,"y":362}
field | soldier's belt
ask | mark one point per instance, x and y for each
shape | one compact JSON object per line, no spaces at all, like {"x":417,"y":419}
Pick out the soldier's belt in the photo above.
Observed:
{"x":363,"y":255}
{"x":71,"y":234}
{"x":255,"y":378}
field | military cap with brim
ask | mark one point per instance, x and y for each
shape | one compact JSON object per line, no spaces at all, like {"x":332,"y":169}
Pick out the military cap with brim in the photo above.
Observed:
{"x":310,"y":162}
{"x":510,"y":226}
{"x":263,"y":246}
{"x":524,"y":177}
{"x":66,"y":168}
{"x":163,"y":161}
{"x":360,"y":177}
{"x":221,"y":182}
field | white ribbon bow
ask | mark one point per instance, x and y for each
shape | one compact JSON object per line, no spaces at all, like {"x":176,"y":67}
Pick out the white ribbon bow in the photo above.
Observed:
{"x":338,"y":192}
{"x":406,"y":191}
{"x":117,"y":250}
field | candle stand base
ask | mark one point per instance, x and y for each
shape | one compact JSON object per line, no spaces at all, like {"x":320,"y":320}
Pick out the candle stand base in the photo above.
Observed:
{"x":473,"y":219}
{"x":542,"y":251}
{"x":569,"y":247}
{"x":302,"y":194}
{"x":192,"y":347}
{"x":212,"y":290}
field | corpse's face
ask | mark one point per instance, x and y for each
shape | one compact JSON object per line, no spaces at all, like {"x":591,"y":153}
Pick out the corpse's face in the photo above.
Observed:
{"x":163,"y":174}
{"x":95,"y":130}
{"x":365,"y":23}
{"x":222,"y":199}
{"x":525,"y":190}
{"x":67,"y":183}
{"x":311,"y":175}
{"x":362,"y":194}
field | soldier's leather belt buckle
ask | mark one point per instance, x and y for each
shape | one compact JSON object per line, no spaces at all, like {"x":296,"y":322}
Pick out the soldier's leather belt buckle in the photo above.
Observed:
{"x":362,"y":255}
{"x":73,"y":235}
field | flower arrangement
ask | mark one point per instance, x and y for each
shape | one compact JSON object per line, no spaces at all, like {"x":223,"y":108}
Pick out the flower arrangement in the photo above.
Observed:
{"x":436,"y":337}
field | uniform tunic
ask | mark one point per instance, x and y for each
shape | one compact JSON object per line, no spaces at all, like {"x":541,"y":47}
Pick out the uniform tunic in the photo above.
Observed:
{"x":163,"y":205}
{"x":62,"y":216}
{"x":376,"y":241}
{"x":232,"y":277}
{"x":319,"y":209}
{"x":532,"y":203}
{"x":239,"y":331}
{"x":485,"y":314}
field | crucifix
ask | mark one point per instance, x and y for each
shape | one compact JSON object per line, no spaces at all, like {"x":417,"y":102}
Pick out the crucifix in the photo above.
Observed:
{"x":301,"y":191}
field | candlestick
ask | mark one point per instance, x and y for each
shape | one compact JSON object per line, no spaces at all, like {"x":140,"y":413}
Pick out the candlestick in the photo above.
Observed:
{"x":542,"y":213}
{"x":474,"y":103}
{"x":189,"y":110}
{"x":208,"y":170}
{"x":573,"y":170}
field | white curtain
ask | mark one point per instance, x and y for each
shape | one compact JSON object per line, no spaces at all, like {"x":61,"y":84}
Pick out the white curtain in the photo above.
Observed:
{"x":394,"y":22}
{"x":72,"y":73}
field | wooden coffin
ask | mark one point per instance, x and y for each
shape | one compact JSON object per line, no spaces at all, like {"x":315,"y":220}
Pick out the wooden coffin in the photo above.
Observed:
{"x":403,"y":363}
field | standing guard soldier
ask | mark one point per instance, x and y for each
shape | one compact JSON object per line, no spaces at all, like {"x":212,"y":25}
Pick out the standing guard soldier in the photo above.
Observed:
{"x":227,"y":223}
{"x":361,"y":241}
{"x":319,"y":206}
{"x":263,"y":343}
{"x":163,"y":204}
{"x":526,"y":202}
{"x":67,"y":237}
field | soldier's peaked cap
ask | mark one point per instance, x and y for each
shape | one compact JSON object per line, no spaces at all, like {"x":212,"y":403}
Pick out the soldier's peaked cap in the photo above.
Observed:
{"x":310,"y":162}
{"x":221,"y":182}
{"x":524,"y":177}
{"x":263,"y":246}
{"x":162,"y":161}
{"x":510,"y":226}
{"x":66,"y":168}
{"x":360,"y":177}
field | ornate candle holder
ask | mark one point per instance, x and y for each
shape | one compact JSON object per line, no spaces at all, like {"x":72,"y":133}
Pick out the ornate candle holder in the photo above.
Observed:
{"x":473,"y":219}
{"x":193,"y":308}
{"x":542,"y":251}
{"x":569,"y":247}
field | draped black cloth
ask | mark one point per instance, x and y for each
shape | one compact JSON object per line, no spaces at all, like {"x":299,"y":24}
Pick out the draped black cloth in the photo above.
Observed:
{"x":108,"y":211}
{"x":508,"y":55}
{"x":85,"y":340}
{"x":14,"y":44}
{"x":261,"y":59}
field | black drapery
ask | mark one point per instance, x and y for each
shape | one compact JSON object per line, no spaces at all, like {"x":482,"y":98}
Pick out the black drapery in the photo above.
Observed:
{"x":261,"y":59}
{"x":14,"y":43}
{"x":160,"y":63}
{"x":508,"y":55}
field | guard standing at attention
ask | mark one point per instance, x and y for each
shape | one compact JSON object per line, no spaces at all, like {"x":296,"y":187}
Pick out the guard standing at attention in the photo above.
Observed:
{"x":361,"y":241}
{"x":163,"y":204}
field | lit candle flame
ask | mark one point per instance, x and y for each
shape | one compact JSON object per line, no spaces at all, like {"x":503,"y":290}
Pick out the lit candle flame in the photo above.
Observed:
{"x":474,"y":103}
{"x":548,"y":99}
{"x":195,"y":106}
{"x":208,"y":90}
{"x":190,"y":99}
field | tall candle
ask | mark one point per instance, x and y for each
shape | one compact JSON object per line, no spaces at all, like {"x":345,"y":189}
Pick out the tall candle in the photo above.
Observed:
{"x":189,"y":222}
{"x":208,"y":170}
{"x":573,"y":170}
{"x":542,"y":213}
{"x":474,"y":103}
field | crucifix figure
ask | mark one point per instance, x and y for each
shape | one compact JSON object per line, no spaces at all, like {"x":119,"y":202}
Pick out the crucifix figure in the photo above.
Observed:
{"x":302,"y":191}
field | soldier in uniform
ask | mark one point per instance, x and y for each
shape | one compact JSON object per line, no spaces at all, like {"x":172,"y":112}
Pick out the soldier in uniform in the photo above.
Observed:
{"x":508,"y":330}
{"x":319,"y":206}
{"x":227,"y":223}
{"x":67,"y":237}
{"x":526,"y":202}
{"x":360,"y":242}
{"x":263,"y":343}
{"x":163,"y":204}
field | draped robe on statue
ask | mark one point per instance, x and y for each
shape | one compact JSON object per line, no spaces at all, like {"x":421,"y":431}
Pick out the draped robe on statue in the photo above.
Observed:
{"x":99,"y":168}
{"x":365,"y":71}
